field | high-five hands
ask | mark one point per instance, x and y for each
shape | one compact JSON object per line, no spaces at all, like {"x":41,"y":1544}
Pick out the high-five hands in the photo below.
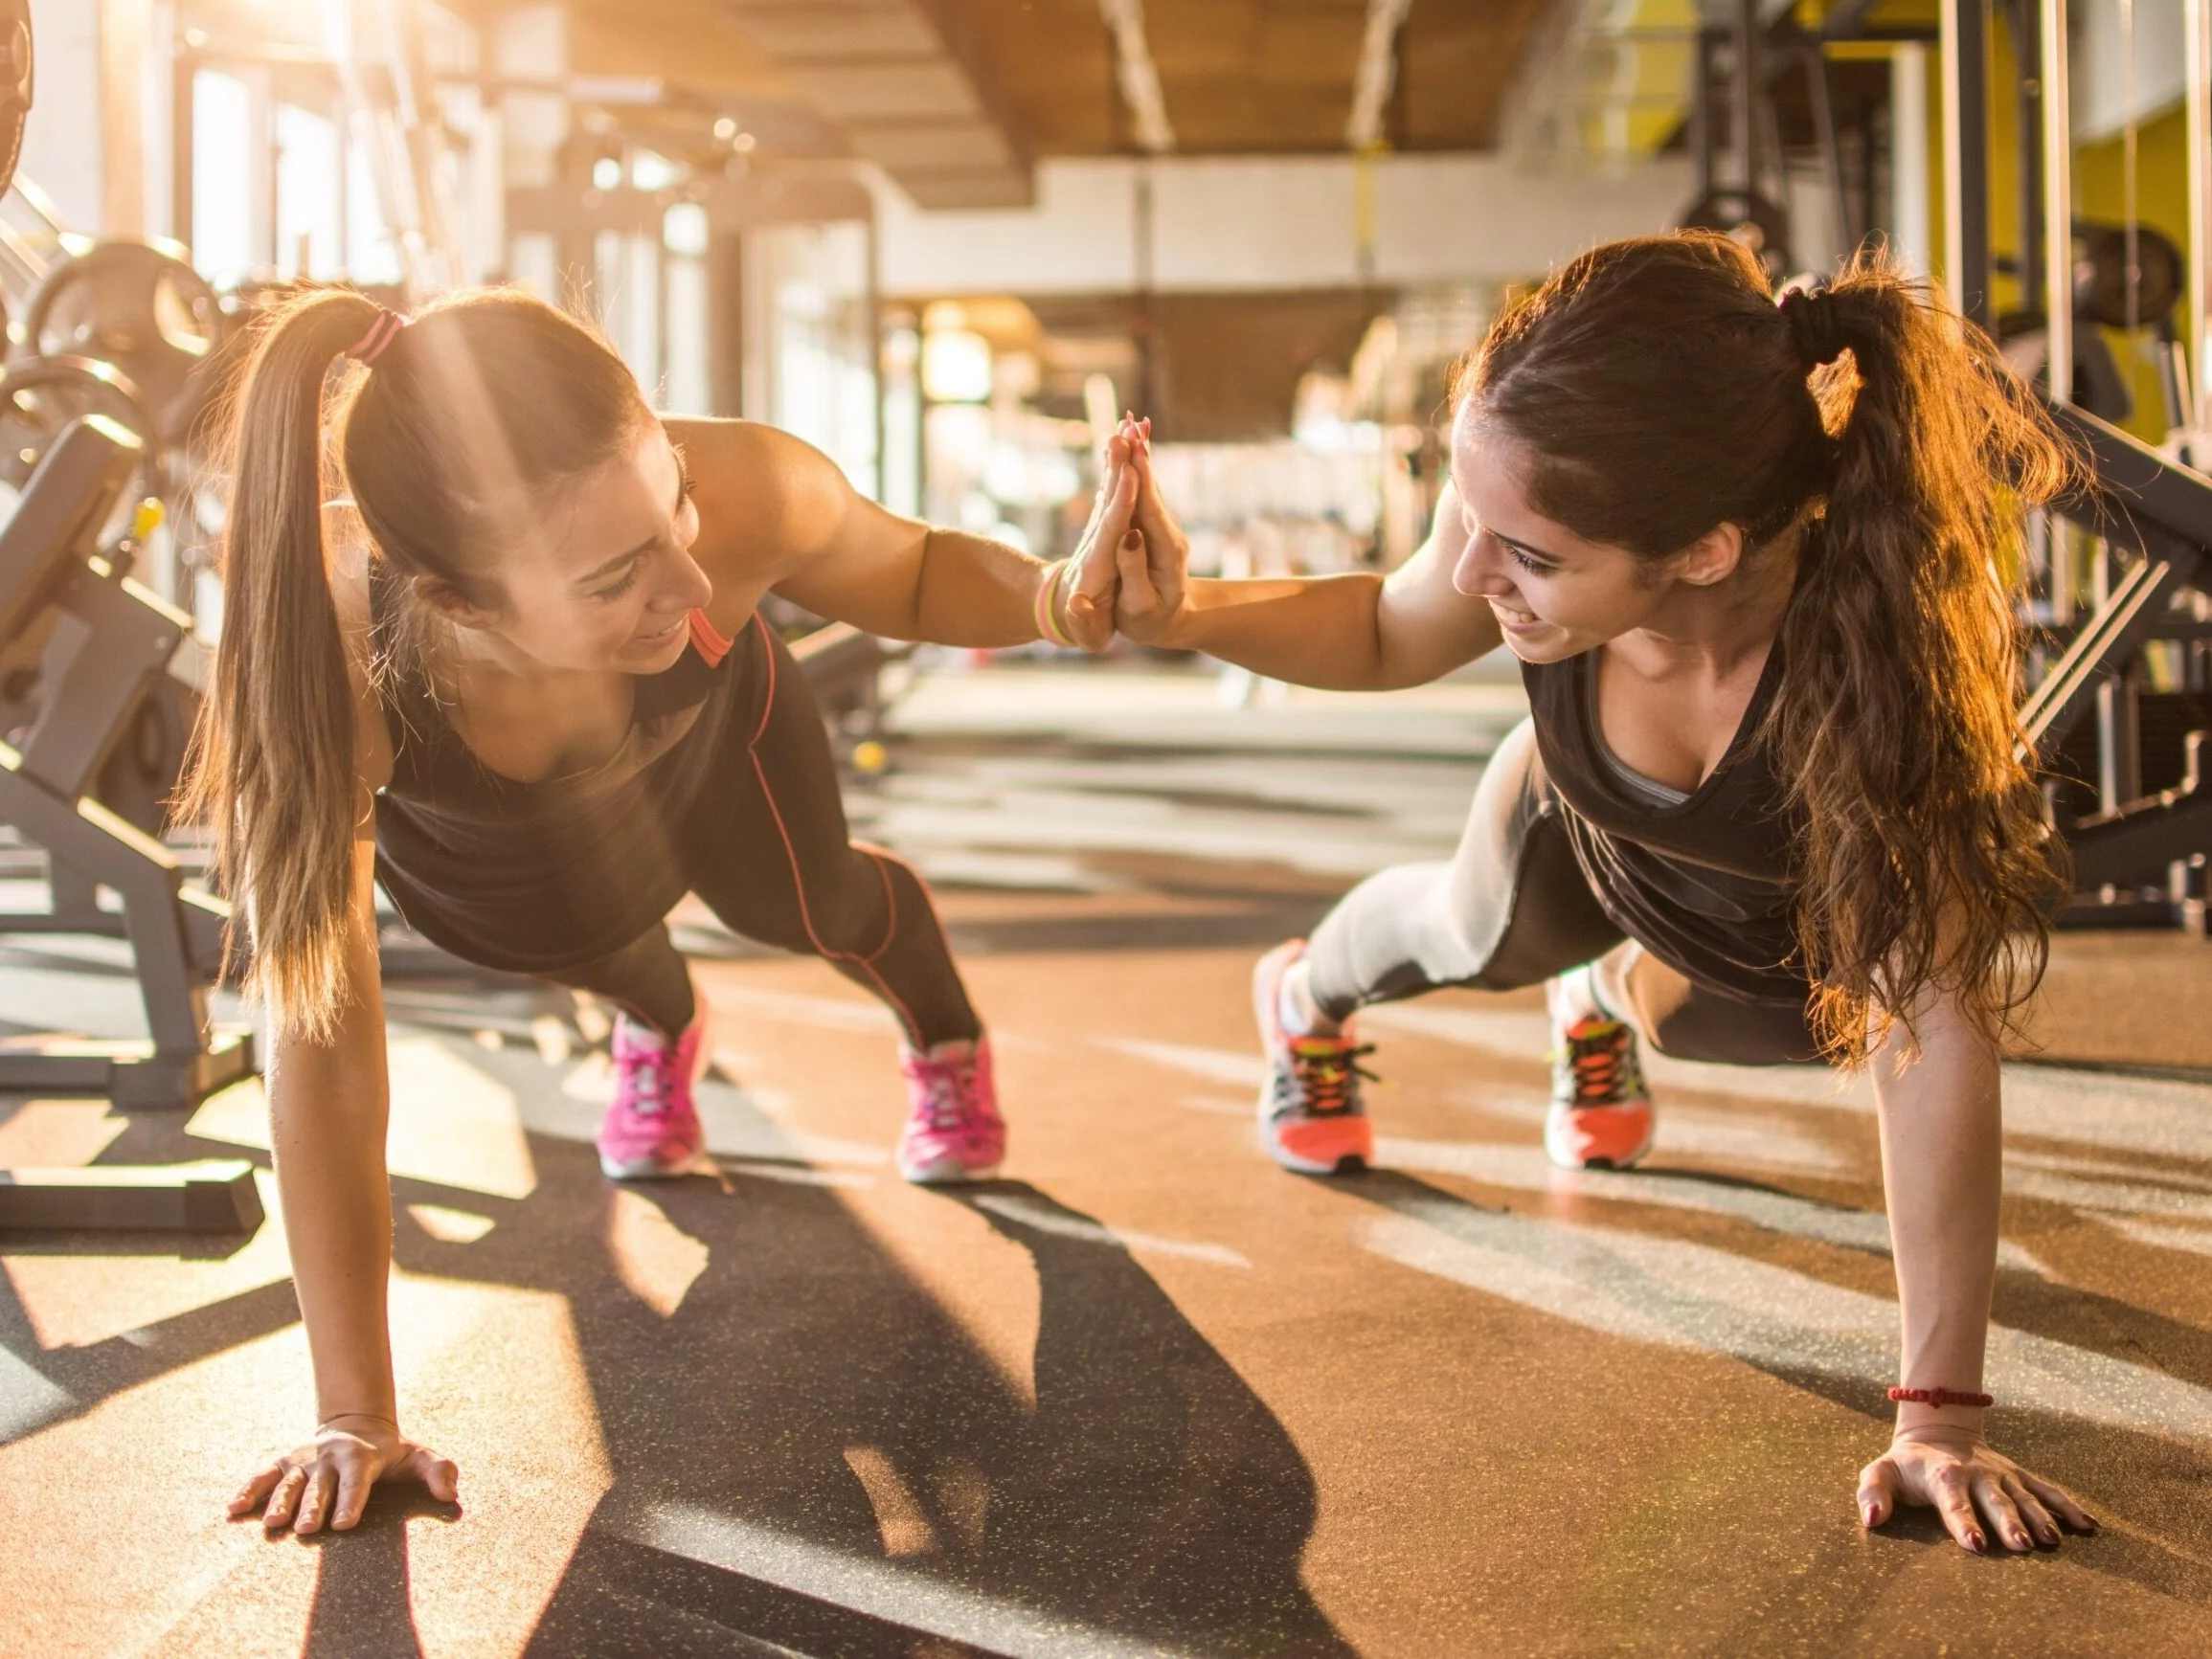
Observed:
{"x":1127,"y":573}
{"x":1154,"y":563}
{"x":1083,"y":596}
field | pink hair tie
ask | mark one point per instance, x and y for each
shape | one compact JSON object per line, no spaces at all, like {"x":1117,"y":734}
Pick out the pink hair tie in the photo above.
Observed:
{"x":381,"y":333}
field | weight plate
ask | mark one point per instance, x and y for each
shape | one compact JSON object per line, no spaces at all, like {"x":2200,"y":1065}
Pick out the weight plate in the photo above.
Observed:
{"x":15,"y":83}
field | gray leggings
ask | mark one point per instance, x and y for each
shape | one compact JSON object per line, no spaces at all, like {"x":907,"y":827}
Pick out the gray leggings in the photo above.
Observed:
{"x":1512,"y":909}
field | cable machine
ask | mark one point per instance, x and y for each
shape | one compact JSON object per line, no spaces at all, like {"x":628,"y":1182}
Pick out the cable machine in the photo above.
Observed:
{"x":2145,"y":519}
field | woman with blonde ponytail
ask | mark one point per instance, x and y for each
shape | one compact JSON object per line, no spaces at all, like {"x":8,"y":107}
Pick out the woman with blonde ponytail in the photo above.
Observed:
{"x":1767,"y":806}
{"x":491,"y":636}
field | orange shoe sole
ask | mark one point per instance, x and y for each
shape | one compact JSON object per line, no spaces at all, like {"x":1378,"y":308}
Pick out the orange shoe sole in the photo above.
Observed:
{"x":1598,"y":1137}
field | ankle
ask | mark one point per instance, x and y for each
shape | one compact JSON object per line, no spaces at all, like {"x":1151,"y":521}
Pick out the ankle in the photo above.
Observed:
{"x":1571,"y":997}
{"x":1295,"y":1006}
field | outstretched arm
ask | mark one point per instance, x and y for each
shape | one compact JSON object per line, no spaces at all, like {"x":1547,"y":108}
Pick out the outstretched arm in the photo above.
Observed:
{"x":1358,"y":632}
{"x":1942,"y":1135}
{"x":798,"y":522}
{"x":329,"y":1105}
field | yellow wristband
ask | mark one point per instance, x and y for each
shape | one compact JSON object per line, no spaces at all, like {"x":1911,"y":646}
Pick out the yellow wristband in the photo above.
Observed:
{"x":1049,"y":608}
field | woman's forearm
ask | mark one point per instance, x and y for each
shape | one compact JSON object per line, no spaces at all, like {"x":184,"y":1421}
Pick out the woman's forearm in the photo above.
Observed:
{"x":1322,"y":631}
{"x":1942,"y":1150}
{"x":329,"y":1108}
{"x":976,"y":592}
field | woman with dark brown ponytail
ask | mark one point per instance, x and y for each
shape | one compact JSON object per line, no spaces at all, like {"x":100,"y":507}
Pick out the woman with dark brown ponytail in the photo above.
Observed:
{"x":518,"y":674}
{"x":1753,"y":560}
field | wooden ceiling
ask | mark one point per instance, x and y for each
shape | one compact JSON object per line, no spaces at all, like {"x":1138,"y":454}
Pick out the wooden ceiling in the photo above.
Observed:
{"x":1241,"y":77}
{"x":1254,"y":75}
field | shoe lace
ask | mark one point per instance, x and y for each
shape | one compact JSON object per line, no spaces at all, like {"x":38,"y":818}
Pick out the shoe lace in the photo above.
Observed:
{"x":1328,"y":1071}
{"x":1597,"y":1054}
{"x":646,"y":1078}
{"x":947,"y":1093}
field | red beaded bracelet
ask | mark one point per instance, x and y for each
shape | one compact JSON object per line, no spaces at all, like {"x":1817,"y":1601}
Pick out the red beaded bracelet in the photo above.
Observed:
{"x":1940,"y":1397}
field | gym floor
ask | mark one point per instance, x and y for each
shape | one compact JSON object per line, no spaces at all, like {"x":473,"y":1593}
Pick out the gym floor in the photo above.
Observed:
{"x":1147,"y":1394}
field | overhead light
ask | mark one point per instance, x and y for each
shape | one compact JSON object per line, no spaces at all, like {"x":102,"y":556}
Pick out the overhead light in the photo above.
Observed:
{"x":955,"y":367}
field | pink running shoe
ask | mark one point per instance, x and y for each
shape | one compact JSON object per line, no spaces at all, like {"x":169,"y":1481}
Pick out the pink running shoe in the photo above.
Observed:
{"x":652,"y":1127}
{"x":953,"y":1129}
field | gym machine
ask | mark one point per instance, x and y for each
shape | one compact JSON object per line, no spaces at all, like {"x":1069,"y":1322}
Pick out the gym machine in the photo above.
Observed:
{"x":103,"y":643}
{"x":2139,"y":857}
{"x":98,"y":647}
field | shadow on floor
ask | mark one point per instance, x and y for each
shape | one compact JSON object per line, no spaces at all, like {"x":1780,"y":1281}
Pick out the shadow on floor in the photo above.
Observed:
{"x":809,"y":1453}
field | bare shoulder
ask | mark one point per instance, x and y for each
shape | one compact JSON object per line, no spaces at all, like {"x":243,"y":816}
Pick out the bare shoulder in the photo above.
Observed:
{"x":765,"y":497}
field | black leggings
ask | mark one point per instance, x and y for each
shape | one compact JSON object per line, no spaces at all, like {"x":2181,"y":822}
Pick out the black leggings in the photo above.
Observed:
{"x":1512,"y":907}
{"x":771,"y":855}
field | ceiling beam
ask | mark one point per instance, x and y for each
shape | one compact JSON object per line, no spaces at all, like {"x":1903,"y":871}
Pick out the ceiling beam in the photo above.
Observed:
{"x":911,"y":86}
{"x":1377,"y":74}
{"x":1138,"y":75}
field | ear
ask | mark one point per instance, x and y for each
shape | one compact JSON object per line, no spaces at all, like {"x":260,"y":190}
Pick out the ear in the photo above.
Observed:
{"x":1713,"y":558}
{"x":445,"y":601}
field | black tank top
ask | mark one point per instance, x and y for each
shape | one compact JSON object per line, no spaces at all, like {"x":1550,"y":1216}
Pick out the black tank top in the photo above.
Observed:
{"x":536,"y":877}
{"x":1705,"y":885}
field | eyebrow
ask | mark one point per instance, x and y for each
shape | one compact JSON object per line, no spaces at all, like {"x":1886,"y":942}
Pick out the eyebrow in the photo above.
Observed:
{"x":682,"y":485}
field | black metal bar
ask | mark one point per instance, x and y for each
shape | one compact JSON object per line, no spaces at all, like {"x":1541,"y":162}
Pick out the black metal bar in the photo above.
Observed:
{"x":1743,"y":133}
{"x":2027,"y":41}
{"x":2135,"y":844}
{"x":1846,"y":19}
{"x":1966,"y":161}
{"x":1815,"y":67}
{"x":2102,"y":648}
{"x":1700,"y":135}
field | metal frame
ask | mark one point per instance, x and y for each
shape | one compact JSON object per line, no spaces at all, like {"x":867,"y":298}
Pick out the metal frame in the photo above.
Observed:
{"x":2139,"y":501}
{"x":103,"y":643}
{"x":1966,"y":256}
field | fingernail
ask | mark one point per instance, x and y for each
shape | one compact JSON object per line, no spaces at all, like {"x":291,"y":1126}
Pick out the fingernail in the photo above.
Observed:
{"x":1976,"y":1542}
{"x":1132,"y":541}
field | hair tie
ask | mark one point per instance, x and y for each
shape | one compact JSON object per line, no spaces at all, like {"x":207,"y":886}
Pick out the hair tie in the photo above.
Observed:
{"x":381,"y":333}
{"x":1815,"y":329}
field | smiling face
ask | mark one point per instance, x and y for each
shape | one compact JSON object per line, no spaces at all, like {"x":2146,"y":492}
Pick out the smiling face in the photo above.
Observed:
{"x":1554,"y":593}
{"x":609,"y":580}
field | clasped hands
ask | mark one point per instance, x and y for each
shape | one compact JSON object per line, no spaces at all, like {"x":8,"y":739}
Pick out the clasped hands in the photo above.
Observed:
{"x":1127,"y":573}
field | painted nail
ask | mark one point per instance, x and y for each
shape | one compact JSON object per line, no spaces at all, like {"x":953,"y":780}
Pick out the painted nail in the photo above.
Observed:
{"x":1976,"y":1542}
{"x":1132,"y":541}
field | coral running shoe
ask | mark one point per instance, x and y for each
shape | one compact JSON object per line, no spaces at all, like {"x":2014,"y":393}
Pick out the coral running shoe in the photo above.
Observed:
{"x":953,"y":1129}
{"x":652,"y":1129}
{"x":1601,"y":1113}
{"x":1310,"y":1116}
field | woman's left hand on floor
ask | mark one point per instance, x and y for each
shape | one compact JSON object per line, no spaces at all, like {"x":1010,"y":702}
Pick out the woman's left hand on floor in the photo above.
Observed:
{"x":1979,"y":1491}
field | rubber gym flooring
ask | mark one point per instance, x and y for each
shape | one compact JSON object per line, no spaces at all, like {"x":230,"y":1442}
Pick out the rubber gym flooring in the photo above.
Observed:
{"x":1147,"y":1394}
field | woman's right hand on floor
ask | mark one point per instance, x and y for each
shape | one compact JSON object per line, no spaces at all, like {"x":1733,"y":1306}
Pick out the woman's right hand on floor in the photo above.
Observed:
{"x":1956,"y":1473}
{"x":327,"y":1480}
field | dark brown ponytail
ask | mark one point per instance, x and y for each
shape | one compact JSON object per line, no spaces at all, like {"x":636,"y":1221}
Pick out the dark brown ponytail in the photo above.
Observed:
{"x":1659,"y":390}
{"x":271,"y":767}
{"x":486,"y":401}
